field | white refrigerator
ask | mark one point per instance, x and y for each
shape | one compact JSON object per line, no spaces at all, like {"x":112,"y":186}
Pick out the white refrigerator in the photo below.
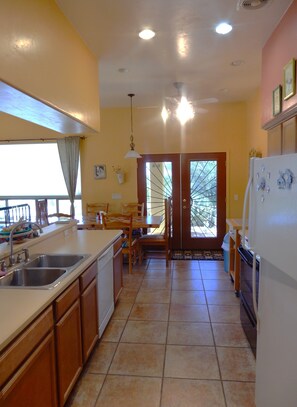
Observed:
{"x":272,"y":234}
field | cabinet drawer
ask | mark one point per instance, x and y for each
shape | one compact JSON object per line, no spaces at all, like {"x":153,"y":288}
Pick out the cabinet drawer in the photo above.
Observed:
{"x":88,"y":276}
{"x":64,"y":302}
{"x":23,"y":346}
{"x":117,"y":246}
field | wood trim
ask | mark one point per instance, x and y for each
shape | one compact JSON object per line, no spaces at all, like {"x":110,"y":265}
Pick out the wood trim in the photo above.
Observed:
{"x":21,"y":348}
{"x":65,"y":300}
{"x":117,"y":246}
{"x":86,"y":278}
{"x":281,"y":117}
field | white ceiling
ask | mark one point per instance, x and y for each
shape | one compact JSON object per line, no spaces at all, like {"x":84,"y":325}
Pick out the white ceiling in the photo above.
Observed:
{"x":203,"y":62}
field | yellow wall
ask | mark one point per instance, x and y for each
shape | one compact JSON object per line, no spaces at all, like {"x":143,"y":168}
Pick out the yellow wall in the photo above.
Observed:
{"x":42,"y":55}
{"x":222,"y":129}
{"x":256,"y":137}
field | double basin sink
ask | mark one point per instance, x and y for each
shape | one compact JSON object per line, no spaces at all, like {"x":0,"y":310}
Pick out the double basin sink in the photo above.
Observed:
{"x":43,"y":271}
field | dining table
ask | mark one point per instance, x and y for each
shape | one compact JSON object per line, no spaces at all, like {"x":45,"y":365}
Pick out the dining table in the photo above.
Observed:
{"x":138,"y":222}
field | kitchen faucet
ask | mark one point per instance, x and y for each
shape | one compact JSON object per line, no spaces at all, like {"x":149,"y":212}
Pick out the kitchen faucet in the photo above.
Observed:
{"x":21,"y":223}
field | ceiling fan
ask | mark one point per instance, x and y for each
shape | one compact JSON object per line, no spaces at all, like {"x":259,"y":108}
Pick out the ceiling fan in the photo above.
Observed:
{"x":182,"y":108}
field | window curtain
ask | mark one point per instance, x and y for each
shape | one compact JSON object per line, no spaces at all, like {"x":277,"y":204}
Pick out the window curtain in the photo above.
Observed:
{"x":69,"y":156}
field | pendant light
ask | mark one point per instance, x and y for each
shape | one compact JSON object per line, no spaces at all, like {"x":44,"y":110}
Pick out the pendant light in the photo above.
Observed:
{"x":132,"y":153}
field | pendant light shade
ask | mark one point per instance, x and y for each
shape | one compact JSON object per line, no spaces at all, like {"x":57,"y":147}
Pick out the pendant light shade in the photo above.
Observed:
{"x":132,"y":153}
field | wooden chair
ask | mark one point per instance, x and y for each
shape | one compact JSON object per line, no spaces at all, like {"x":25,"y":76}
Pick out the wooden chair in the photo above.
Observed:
{"x":135,"y":208}
{"x":159,"y":240}
{"x":94,"y":208}
{"x":41,"y":212}
{"x":124,"y":223}
{"x":42,"y":216}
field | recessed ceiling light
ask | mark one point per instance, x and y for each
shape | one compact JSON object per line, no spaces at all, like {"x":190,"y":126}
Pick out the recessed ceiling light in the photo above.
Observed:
{"x":223,"y":28}
{"x":147,"y":34}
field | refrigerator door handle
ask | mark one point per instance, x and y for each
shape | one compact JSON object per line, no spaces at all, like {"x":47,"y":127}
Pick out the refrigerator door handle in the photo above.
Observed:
{"x":246,"y":195}
{"x":255,"y":305}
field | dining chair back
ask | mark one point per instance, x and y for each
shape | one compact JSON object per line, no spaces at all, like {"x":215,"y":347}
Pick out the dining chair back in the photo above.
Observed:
{"x":41,"y":212}
{"x":94,"y":208}
{"x":123,"y":222}
{"x":135,"y":208}
{"x":162,"y":240}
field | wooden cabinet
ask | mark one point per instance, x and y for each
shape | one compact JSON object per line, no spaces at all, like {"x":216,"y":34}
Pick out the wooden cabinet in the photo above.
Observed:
{"x":68,"y":340}
{"x":234,"y":258}
{"x":29,"y":376}
{"x":89,"y":310}
{"x":117,"y":269}
{"x":289,"y":139}
{"x":275,"y":141}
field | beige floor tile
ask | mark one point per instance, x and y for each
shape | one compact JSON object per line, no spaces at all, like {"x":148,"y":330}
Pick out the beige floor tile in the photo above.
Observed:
{"x":214,"y":275}
{"x":138,"y":359}
{"x":122,"y":310}
{"x":101,"y":357}
{"x":189,"y":333}
{"x":184,"y":274}
{"x":220,"y":285}
{"x":145,"y":332}
{"x":128,"y":295}
{"x":239,"y":394}
{"x":113,"y":330}
{"x":222,"y":298}
{"x":189,"y":313}
{"x":127,"y":391}
{"x":186,"y":265}
{"x":237,"y":364}
{"x":179,"y":284}
{"x":86,"y":391}
{"x":132,"y":282}
{"x":156,"y":284}
{"x":150,"y":312}
{"x":224,"y":313}
{"x":153,"y":296}
{"x":192,"y":393}
{"x":158,"y":264}
{"x":191,"y":362}
{"x":211,"y":265}
{"x":229,"y":335}
{"x":188,"y":297}
{"x":158,"y":273}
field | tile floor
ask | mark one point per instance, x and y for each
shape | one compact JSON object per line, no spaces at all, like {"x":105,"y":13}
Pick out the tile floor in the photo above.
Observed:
{"x":174,"y":340}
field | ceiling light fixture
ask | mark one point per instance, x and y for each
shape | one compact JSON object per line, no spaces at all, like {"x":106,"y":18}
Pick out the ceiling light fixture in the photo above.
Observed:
{"x":223,"y":28}
{"x":147,"y":34}
{"x":179,"y":107}
{"x":132,"y":153}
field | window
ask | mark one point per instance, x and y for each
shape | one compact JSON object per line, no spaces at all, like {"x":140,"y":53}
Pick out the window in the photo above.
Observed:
{"x":34,"y":171}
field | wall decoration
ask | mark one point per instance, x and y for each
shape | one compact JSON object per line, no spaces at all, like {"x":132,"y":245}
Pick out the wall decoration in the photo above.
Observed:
{"x":100,"y":171}
{"x":290,"y":79}
{"x":277,"y":100}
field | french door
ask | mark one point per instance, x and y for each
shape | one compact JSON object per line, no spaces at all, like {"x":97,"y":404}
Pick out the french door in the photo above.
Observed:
{"x":197,"y":184}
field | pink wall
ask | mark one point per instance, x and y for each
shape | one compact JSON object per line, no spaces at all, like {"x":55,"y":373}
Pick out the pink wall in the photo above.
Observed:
{"x":280,"y":48}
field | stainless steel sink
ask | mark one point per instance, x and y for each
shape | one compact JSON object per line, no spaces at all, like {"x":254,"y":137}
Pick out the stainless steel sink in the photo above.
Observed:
{"x":44,"y":271}
{"x":55,"y":260}
{"x":33,"y":277}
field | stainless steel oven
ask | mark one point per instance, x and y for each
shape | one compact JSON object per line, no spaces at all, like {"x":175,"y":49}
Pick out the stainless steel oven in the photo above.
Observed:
{"x":247,"y":313}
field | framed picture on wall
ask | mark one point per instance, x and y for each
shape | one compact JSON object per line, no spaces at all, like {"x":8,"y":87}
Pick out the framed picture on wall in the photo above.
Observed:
{"x":100,"y":171}
{"x":277,"y":100}
{"x":290,"y":79}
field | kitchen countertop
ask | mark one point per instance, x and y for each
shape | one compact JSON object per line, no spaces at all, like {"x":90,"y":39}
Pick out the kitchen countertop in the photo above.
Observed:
{"x":20,"y":306}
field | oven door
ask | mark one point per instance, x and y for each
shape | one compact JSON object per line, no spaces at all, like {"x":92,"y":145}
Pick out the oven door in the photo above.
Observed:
{"x":247,"y":314}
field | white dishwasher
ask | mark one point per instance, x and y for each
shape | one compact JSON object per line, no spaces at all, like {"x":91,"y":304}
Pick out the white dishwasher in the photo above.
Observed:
{"x":105,"y":288}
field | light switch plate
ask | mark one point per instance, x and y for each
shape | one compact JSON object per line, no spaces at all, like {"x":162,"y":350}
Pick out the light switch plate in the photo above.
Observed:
{"x":116,"y":196}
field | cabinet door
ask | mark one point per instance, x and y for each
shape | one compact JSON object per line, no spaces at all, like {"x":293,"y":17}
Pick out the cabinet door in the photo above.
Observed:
{"x":34,"y":384}
{"x":117,"y":274}
{"x":275,"y":141}
{"x":69,"y":350}
{"x":89,"y":318}
{"x":289,"y":140}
